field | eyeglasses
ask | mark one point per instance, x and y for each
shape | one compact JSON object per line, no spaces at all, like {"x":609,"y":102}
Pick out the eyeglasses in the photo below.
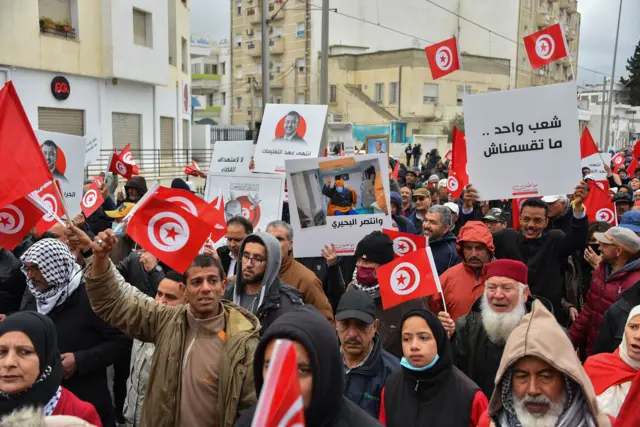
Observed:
{"x":248,"y":259}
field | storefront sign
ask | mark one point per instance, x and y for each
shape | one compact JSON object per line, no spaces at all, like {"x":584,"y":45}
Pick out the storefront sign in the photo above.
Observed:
{"x":60,"y":88}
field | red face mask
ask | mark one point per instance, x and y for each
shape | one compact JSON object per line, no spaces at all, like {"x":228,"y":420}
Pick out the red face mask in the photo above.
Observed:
{"x":366,"y":276}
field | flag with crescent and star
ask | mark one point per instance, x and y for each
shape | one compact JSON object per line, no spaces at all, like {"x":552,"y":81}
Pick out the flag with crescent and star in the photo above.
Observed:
{"x":443,"y":57}
{"x":545,"y":46}
{"x":599,"y":205}
{"x":404,"y":243}
{"x":91,"y":200}
{"x":53,"y":206}
{"x":16,"y":220}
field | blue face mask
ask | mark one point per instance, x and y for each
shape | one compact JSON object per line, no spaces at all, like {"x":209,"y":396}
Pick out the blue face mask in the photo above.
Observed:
{"x":339,"y":189}
{"x":405,"y":363}
{"x":120,"y":232}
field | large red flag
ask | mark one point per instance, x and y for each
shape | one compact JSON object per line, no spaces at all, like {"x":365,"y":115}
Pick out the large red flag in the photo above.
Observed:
{"x":24,"y":168}
{"x":118,"y":166}
{"x":126,"y":157}
{"x":599,"y":205}
{"x":443,"y":57}
{"x":587,"y":144}
{"x":91,"y":200}
{"x":280,"y":403}
{"x":546,"y":46}
{"x":458,"y":178}
{"x":169,"y":232}
{"x":407,"y":278}
{"x":404,"y":243}
{"x":636,"y":149}
{"x":16,"y":220}
{"x":54,"y":208}
{"x":631,"y":169}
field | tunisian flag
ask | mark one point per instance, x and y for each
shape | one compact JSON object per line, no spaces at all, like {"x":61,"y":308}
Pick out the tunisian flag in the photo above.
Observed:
{"x":118,"y":166}
{"x":53,"y":206}
{"x":443,"y":58}
{"x":458,"y":178}
{"x":194,"y":170}
{"x":91,"y":200}
{"x":599,"y":205}
{"x":546,"y":46}
{"x":588,"y":146}
{"x":126,"y":157}
{"x":618,"y":161}
{"x":16,"y":220}
{"x":407,"y":278}
{"x":280,"y":403}
{"x":24,"y":168}
{"x":169,"y":232}
{"x":404,"y":243}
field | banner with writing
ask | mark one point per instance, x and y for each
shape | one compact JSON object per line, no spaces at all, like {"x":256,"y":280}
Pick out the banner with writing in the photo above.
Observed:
{"x":231,"y":157}
{"x":337,"y":200}
{"x":288,"y":131}
{"x":594,"y":163}
{"x":523,"y":142}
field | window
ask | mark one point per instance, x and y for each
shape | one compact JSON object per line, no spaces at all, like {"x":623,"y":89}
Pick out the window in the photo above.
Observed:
{"x":257,"y":103}
{"x":210,"y":100}
{"x":300,"y":64}
{"x":278,"y":31}
{"x":462,"y":90}
{"x":224,"y":98}
{"x":430,"y":93}
{"x":594,"y":99}
{"x":300,"y":98}
{"x":196,"y":68}
{"x":239,"y":7}
{"x":300,"y":27}
{"x":185,"y":55}
{"x":223,"y":69}
{"x":393,"y":93}
{"x":142,"y":34}
{"x":239,"y":72}
{"x":61,"y":120}
{"x":278,"y":66}
{"x":278,"y":100}
{"x":378,"y":93}
{"x":258,"y":69}
{"x":238,"y":40}
{"x":63,"y":12}
{"x":238,"y":102}
{"x":332,"y":93}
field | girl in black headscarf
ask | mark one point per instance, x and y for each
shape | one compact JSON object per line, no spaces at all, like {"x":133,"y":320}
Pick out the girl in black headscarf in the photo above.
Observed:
{"x":31,"y":370}
{"x":429,"y":390}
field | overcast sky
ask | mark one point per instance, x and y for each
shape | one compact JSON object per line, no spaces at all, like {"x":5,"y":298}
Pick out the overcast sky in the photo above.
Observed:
{"x":597,"y":32}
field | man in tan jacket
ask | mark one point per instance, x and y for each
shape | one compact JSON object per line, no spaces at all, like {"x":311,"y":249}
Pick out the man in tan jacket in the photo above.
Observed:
{"x":201,"y":374}
{"x":541,"y":380}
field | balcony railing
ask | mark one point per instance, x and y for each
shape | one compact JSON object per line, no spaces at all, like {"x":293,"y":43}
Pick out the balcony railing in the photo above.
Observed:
{"x":64,"y":31}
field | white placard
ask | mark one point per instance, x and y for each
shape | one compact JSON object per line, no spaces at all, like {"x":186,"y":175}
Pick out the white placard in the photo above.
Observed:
{"x":314,"y":204}
{"x":594,"y":162}
{"x":523,"y":142}
{"x":92,"y":150}
{"x":288,"y":131}
{"x":231,"y":157}
{"x":65,"y":155}
{"x":257,"y":197}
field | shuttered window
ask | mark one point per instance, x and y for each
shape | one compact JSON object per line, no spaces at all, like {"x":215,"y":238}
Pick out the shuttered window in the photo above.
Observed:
{"x":166,"y":140}
{"x":141,"y":35}
{"x":56,"y":10}
{"x":126,"y":130}
{"x":185,"y":133}
{"x":61,"y":120}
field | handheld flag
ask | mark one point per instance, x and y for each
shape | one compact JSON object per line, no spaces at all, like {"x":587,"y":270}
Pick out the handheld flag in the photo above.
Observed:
{"x":618,"y":161}
{"x":458,"y":178}
{"x":16,"y":220}
{"x":126,"y":157}
{"x":443,"y":57}
{"x":631,"y":169}
{"x":396,"y":169}
{"x":599,"y":205}
{"x":194,"y":170}
{"x":91,"y":200}
{"x":51,"y":205}
{"x":588,"y":146}
{"x":217,"y":218}
{"x":118,"y":166}
{"x":545,"y":46}
{"x":449,"y":155}
{"x":404,"y":243}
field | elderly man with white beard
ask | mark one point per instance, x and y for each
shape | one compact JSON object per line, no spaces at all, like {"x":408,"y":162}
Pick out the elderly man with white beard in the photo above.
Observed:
{"x":480,"y":335}
{"x":540,"y":381}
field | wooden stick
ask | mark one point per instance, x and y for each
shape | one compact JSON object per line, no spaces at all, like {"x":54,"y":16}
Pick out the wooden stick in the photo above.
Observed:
{"x":64,"y":204}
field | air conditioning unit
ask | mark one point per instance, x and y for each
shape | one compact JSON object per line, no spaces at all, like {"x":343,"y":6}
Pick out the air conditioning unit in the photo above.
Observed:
{"x":249,"y":31}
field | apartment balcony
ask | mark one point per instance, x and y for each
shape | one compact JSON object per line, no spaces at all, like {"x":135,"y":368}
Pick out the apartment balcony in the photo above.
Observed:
{"x":276,"y":80}
{"x":573,"y":6}
{"x":203,"y":84}
{"x":564,"y":4}
{"x":254,"y":48}
{"x":543,"y":20}
{"x":273,"y":7}
{"x":276,"y":46}
{"x":253,"y":15}
{"x":210,"y":111}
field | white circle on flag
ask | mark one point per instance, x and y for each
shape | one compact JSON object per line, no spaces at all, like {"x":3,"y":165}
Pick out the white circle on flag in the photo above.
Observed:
{"x":545,"y":46}
{"x":11,"y":220}
{"x":618,"y":160}
{"x":600,"y":185}
{"x":52,"y":207}
{"x":168,"y":231}
{"x":128,"y":158}
{"x":185,"y":204}
{"x":405,"y":278}
{"x":122,"y":169}
{"x":444,"y":58}
{"x":403,"y":245}
{"x":452,"y":183}
{"x":606,"y":215}
{"x":90,"y":198}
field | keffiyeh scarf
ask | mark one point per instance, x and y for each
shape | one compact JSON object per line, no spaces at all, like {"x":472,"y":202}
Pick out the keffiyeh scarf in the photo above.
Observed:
{"x":59,"y":269}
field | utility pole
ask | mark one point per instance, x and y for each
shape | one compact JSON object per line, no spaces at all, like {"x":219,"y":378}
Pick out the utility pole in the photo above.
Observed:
{"x":613,"y":70}
{"x":253,"y":98}
{"x":324,"y":70}
{"x":604,"y":97}
{"x":264,"y":21}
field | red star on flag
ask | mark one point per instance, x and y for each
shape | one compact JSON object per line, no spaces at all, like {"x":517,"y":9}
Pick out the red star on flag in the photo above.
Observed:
{"x":401,"y":279}
{"x":172,"y":233}
{"x":4,"y":221}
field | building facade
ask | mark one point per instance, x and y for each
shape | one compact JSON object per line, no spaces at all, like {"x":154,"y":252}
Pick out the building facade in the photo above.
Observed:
{"x":211,"y":80}
{"x":114,"y":70}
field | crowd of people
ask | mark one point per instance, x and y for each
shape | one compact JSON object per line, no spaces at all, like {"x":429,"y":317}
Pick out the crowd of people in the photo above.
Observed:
{"x":537,"y":325}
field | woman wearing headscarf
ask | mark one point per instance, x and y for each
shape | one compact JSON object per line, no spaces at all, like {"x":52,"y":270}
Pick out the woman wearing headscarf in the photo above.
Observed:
{"x":612,"y":373}
{"x":87,"y":344}
{"x":31,"y":369}
{"x":429,"y":390}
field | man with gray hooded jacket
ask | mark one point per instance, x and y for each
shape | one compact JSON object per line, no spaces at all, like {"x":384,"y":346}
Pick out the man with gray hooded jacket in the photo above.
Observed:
{"x":256,"y":286}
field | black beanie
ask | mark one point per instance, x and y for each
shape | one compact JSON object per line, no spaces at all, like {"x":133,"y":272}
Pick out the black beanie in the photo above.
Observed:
{"x":376,"y":247}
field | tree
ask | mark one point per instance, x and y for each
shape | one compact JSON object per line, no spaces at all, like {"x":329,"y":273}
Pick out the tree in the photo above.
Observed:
{"x":633,"y":82}
{"x":457,"y":121}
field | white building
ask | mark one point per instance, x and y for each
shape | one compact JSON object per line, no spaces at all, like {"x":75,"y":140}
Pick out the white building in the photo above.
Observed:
{"x":121,"y":66}
{"x":211,"y":80}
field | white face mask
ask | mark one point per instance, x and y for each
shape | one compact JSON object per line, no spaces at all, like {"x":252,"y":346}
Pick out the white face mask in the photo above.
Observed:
{"x":120,"y":232}
{"x":339,"y":189}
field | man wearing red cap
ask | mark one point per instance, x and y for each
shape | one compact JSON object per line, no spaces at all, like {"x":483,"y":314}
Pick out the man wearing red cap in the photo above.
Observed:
{"x":480,"y":336}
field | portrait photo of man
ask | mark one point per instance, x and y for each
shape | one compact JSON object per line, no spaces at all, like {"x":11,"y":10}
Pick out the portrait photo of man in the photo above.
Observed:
{"x":50,"y":151}
{"x":291,"y":122}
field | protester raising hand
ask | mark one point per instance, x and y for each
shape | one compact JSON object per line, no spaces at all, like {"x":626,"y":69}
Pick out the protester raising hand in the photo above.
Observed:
{"x":102,"y":246}
{"x":470,"y":197}
{"x":592,"y":257}
{"x":448,"y":323}
{"x":581,"y":192}
{"x":78,"y":239}
{"x":330,"y":255}
{"x":148,"y":261}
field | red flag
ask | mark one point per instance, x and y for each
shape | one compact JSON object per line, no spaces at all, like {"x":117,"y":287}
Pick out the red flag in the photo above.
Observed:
{"x":449,"y":155}
{"x":587,"y":144}
{"x":546,"y":46}
{"x":16,"y":220}
{"x":631,"y":169}
{"x":169,"y":232}
{"x":118,"y":166}
{"x":599,"y":205}
{"x":458,"y":178}
{"x":396,"y":169}
{"x":194,"y":170}
{"x":404,"y":243}
{"x":280,"y":403}
{"x":91,"y":200}
{"x":126,"y":157}
{"x":443,"y":58}
{"x":53,"y":205}
{"x":636,"y":149}
{"x":217,"y":218}
{"x":407,"y":278}
{"x":208,"y":212}
{"x":618,"y":161}
{"x":24,"y":168}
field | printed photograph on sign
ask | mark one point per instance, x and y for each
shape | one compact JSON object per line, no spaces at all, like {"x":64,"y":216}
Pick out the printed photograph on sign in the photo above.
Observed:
{"x":65,"y":156}
{"x":288,"y":131}
{"x":377,"y":144}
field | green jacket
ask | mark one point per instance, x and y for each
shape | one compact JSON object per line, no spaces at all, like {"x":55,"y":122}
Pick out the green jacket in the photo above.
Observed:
{"x":165,"y":326}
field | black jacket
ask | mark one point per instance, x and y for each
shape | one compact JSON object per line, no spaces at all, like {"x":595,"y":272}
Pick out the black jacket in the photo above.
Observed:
{"x":224,"y":253}
{"x":363,"y":385}
{"x":545,"y":257}
{"x":615,"y":319}
{"x":12,"y":282}
{"x":95,"y":346}
{"x":444,"y":252}
{"x":328,"y":406}
{"x":332,"y":279}
{"x":134,"y":273}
